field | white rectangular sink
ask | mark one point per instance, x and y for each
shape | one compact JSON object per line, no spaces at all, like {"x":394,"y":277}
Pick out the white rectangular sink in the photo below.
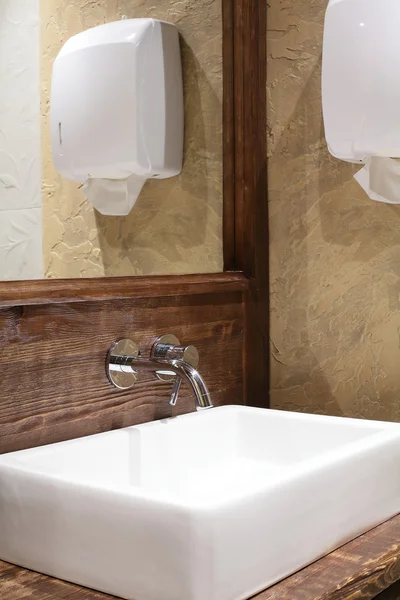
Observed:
{"x":215,"y":505}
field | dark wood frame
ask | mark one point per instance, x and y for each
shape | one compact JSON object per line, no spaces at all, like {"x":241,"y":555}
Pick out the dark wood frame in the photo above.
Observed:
{"x":245,"y":206}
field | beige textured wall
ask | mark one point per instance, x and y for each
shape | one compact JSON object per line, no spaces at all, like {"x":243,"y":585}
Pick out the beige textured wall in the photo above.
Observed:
{"x":335,"y":254}
{"x":176,"y":225}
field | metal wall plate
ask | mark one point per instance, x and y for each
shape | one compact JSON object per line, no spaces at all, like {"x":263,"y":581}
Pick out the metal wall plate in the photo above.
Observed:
{"x":118,"y":364}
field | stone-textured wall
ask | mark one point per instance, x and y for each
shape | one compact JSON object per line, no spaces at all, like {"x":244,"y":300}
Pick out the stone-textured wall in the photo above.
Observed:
{"x":335,"y":254}
{"x":176,"y":225}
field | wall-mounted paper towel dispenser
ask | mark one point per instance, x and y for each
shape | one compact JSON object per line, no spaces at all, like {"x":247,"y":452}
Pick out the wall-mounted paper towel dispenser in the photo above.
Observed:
{"x":361,"y":90}
{"x":117,"y":110}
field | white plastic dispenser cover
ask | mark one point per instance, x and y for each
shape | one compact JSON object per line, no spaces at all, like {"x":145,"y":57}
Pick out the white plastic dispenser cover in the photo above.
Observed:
{"x":117,"y":110}
{"x":361,"y":90}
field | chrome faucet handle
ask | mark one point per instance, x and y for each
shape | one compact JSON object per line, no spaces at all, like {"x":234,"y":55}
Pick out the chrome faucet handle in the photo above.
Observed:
{"x":118,"y":369}
{"x":167,"y":347}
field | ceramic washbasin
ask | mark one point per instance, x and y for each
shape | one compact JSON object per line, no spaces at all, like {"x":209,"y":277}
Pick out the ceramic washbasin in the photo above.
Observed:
{"x":215,"y":505}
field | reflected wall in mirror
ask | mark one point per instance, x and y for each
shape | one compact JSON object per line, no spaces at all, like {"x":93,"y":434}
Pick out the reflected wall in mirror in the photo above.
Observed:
{"x":48,"y":229}
{"x":20,"y":155}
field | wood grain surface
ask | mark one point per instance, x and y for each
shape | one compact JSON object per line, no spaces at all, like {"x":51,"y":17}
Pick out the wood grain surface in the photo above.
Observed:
{"x":52,"y":361}
{"x":251,"y":192}
{"x":20,"y":584}
{"x":360,"y":570}
{"x":51,"y":291}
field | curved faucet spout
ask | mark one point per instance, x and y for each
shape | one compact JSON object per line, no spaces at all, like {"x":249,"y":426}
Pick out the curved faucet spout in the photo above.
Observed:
{"x":180,"y":368}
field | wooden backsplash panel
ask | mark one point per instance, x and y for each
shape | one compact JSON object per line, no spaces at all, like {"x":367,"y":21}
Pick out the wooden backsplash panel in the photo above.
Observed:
{"x":52,"y":363}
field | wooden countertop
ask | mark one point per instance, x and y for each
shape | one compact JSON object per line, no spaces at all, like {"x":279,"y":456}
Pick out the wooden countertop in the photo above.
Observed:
{"x":360,"y":570}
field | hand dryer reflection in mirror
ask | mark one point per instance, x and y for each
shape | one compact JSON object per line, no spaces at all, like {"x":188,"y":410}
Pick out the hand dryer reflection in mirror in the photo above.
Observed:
{"x":117,"y":110}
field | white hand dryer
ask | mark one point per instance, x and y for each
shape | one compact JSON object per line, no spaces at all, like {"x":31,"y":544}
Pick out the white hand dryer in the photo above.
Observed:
{"x":361,"y":91}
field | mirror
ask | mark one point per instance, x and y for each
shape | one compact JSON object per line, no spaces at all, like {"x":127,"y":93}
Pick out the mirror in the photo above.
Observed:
{"x":47,"y":227}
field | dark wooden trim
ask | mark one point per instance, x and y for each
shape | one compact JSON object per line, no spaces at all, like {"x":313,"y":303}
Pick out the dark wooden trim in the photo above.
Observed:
{"x":228,"y":134}
{"x":360,"y":570}
{"x":251,"y":228}
{"x":251,"y":203}
{"x":55,"y":291}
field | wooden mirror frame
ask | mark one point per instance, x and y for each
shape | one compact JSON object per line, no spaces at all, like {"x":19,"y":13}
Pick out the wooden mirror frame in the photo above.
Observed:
{"x":245,"y":216}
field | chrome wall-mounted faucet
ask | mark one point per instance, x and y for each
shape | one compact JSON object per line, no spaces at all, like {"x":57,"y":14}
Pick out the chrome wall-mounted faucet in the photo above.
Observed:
{"x":169,"y":361}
